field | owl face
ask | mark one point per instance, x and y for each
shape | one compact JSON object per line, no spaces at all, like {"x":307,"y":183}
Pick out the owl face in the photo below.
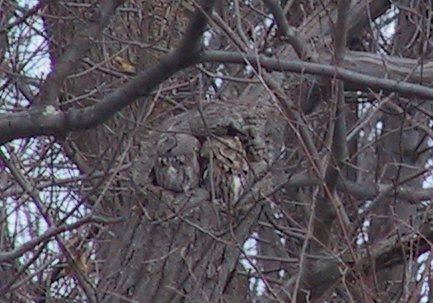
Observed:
{"x":177,"y":167}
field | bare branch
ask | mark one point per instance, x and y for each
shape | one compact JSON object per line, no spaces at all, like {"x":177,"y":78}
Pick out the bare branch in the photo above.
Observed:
{"x":339,"y":143}
{"x":50,"y":121}
{"x":49,"y":234}
{"x":365,"y":191}
{"x":50,"y":90}
{"x":290,"y":34}
{"x":346,"y":74}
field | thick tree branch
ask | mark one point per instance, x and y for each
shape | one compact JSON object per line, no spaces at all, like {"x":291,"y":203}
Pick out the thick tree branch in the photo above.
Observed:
{"x":82,"y":43}
{"x":372,"y":78}
{"x":339,"y":143}
{"x":366,"y":191}
{"x":385,"y":255}
{"x":49,"y":234}
{"x":318,"y":26}
{"x":289,"y":33}
{"x":329,"y":209}
{"x":48,"y":120}
{"x":29,"y":13}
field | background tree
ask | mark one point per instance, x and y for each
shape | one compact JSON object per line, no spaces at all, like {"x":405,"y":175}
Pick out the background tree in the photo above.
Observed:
{"x":215,"y":151}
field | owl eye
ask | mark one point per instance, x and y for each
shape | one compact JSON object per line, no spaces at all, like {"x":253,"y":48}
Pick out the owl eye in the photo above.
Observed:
{"x":181,"y":159}
{"x":164,"y":161}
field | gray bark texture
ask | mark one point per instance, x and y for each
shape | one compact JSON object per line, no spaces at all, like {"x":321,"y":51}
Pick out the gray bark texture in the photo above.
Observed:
{"x":228,"y":151}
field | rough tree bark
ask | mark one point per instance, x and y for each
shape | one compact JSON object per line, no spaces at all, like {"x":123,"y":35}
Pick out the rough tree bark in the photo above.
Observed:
{"x":289,"y":156}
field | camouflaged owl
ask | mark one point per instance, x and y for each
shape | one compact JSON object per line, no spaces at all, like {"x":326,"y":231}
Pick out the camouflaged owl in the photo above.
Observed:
{"x":177,"y":167}
{"x":227,"y":169}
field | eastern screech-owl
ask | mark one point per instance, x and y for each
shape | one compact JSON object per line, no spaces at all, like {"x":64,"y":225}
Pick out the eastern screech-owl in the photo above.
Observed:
{"x":177,"y":167}
{"x":227,"y":169}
